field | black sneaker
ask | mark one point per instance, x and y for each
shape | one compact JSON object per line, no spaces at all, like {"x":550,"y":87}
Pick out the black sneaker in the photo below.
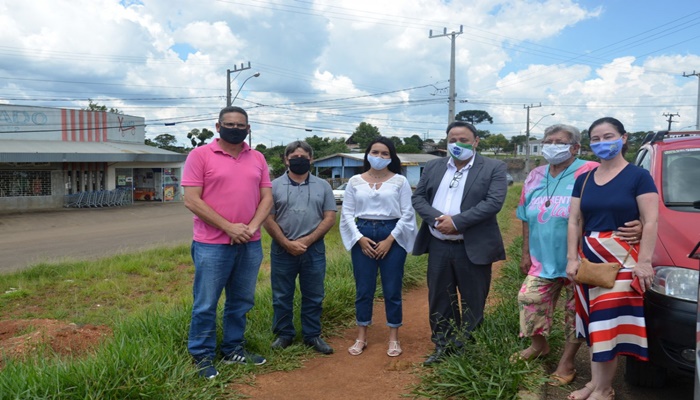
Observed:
{"x":319,"y":345}
{"x":282,"y":342}
{"x":240,"y":356}
{"x":205,"y":367}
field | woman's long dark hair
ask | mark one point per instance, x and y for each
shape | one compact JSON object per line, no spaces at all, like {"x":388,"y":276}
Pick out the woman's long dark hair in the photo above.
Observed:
{"x":615,"y":123}
{"x":395,"y":165}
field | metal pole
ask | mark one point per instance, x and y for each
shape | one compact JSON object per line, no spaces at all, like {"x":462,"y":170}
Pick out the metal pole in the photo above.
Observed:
{"x":452,"y":95}
{"x":527,"y":136}
{"x":697,"y":112}
{"x":228,"y":81}
{"x":451,"y":102}
{"x":527,"y":141}
{"x":228,"y":87}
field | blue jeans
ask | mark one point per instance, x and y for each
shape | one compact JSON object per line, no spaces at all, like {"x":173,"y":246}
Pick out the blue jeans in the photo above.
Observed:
{"x":311,"y":269}
{"x":365,"y":271}
{"x":219,"y":267}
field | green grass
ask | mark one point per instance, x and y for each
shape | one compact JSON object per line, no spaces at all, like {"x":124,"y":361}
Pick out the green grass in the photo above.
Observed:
{"x":484,"y":371}
{"x":146,"y":299}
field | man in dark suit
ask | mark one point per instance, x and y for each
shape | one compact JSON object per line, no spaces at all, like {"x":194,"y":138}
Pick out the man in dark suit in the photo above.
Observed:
{"x":458,"y":198}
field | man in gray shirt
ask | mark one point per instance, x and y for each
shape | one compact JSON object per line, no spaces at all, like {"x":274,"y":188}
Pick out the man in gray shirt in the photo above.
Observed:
{"x":303,"y":212}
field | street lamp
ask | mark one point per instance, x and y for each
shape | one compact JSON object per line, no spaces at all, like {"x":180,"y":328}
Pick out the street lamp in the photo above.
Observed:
{"x":527,"y":139}
{"x":230,"y":101}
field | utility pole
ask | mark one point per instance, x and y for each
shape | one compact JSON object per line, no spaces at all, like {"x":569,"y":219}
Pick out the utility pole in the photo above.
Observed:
{"x":670,"y":119}
{"x":697,"y":113}
{"x":451,"y":100}
{"x":228,"y":80}
{"x":527,"y":136}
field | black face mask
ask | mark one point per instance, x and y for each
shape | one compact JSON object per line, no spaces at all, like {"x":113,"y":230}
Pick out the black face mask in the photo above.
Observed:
{"x":299,"y":165}
{"x":232,"y":135}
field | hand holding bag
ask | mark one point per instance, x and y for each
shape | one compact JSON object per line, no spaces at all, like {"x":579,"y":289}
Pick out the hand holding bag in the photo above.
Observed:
{"x":597,"y":274}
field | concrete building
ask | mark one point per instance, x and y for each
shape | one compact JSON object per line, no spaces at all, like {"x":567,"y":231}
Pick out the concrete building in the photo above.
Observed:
{"x":345,"y":165}
{"x":48,"y":154}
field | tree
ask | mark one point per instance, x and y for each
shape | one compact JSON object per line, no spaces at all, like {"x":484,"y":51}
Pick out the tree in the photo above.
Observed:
{"x":92,"y":106}
{"x":474,"y":117}
{"x":408,"y":148}
{"x":166,"y":141}
{"x":275,"y":159}
{"x":326,"y":146}
{"x":414,"y":141}
{"x":495,"y":143}
{"x":634,"y":141}
{"x":202,"y":136}
{"x":517,"y":140}
{"x":364,"y":134}
{"x":397,"y":141}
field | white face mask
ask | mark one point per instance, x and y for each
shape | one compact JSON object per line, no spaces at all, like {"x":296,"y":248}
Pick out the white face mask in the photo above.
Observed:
{"x":460,"y":151}
{"x":378,"y":163}
{"x":556,"y":153}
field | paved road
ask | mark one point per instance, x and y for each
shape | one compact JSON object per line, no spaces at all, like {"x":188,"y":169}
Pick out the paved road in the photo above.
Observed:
{"x":51,"y":236}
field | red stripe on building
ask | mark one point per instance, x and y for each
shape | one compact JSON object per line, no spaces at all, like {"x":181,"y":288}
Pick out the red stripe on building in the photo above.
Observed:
{"x":64,"y":125}
{"x":96,"y":117}
{"x":81,"y":122}
{"x":104,"y":126}
{"x":89,"y":126}
{"x":72,"y":125}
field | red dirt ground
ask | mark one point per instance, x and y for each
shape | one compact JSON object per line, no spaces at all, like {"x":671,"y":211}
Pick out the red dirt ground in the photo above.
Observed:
{"x":21,"y":338}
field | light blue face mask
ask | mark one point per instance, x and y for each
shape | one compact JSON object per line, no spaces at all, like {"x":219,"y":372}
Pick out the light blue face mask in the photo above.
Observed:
{"x":607,"y":150}
{"x":378,"y":163}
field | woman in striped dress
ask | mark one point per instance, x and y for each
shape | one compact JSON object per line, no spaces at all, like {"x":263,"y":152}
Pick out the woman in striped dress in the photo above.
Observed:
{"x":611,"y":320}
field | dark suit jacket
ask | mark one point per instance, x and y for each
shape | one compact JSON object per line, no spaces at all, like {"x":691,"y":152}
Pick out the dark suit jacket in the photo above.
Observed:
{"x":483,"y":197}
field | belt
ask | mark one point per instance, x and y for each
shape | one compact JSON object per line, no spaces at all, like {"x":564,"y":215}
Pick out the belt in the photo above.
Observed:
{"x":458,"y":241}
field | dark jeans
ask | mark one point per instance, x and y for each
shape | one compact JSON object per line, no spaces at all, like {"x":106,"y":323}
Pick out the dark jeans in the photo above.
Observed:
{"x":450,"y":271}
{"x":310,"y":267}
{"x":390,"y":269}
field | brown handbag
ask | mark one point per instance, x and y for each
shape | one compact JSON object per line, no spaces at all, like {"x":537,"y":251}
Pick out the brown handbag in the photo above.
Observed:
{"x":597,"y":274}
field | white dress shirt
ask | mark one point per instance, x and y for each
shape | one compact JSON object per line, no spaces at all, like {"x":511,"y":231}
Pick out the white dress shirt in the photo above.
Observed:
{"x":448,"y":200}
{"x":392,"y":200}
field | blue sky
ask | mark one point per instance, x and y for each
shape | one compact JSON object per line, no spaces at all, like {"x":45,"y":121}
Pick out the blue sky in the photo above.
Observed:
{"x":328,"y":65}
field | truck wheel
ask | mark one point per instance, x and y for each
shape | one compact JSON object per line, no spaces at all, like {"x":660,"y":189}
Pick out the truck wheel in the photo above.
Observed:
{"x":644,"y":374}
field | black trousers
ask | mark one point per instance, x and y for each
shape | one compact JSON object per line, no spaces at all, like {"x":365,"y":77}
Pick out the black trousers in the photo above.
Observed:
{"x":457,"y":291}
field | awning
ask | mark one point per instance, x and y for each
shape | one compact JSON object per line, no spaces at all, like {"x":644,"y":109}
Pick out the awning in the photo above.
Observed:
{"x":59,"y":151}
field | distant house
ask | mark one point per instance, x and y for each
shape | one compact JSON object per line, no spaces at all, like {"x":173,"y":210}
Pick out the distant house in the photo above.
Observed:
{"x":345,"y":165}
{"x":352,"y":145}
{"x":535,"y":148}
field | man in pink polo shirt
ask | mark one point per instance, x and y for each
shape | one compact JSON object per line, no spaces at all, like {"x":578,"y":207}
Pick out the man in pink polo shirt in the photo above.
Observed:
{"x":227,"y":187}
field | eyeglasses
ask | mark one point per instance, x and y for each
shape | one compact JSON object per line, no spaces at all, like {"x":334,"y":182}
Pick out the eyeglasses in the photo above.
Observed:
{"x":556,"y":143}
{"x":455,"y":179}
{"x":232,"y":125}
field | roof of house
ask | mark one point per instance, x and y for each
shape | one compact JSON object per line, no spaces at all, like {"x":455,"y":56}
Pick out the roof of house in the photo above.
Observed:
{"x":59,"y":151}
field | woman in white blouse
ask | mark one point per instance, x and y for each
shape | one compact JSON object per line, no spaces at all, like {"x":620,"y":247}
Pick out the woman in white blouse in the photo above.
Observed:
{"x":378,"y":227}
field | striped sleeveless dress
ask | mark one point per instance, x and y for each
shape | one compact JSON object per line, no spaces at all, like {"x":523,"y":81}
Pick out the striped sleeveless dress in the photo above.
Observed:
{"x":611,"y":320}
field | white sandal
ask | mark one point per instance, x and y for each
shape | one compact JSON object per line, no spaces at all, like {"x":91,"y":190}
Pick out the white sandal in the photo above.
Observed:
{"x":394,"y":348}
{"x":357,"y":348}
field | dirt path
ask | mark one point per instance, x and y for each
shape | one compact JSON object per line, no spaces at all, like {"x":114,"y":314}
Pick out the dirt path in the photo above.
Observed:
{"x":371,"y":375}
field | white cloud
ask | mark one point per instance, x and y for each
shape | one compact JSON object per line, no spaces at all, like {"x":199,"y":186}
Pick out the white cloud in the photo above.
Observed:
{"x":510,"y":54}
